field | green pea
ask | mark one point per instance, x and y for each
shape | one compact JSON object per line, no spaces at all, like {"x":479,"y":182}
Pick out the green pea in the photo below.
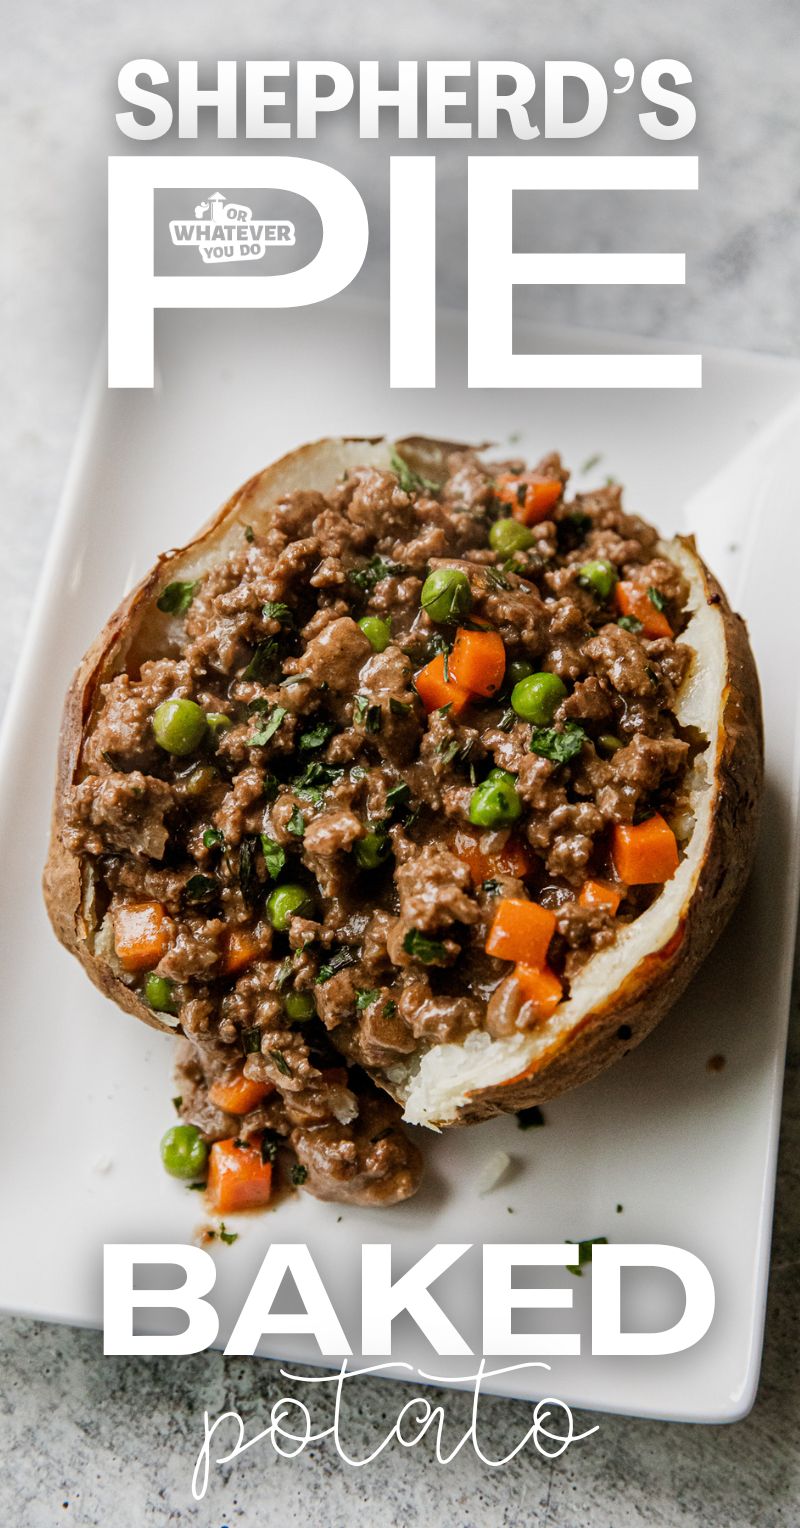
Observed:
{"x":600,"y":576}
{"x":377,"y":632}
{"x":371,"y":850}
{"x":299,"y":1006}
{"x":218,"y":723}
{"x":518,"y":668}
{"x":537,"y":698}
{"x":494,"y":803}
{"x":198,"y":781}
{"x":287,"y":902}
{"x":507,"y":537}
{"x":608,"y":743}
{"x":179,"y":726}
{"x":184,"y":1152}
{"x":446,"y":595}
{"x":159,"y":993}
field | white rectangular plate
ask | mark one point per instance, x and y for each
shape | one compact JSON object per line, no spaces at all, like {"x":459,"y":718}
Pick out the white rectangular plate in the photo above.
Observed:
{"x":688,"y":1152}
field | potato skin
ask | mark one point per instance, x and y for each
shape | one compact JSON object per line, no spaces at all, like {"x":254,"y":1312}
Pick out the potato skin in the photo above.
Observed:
{"x":657,"y":983}
{"x":649,"y":992}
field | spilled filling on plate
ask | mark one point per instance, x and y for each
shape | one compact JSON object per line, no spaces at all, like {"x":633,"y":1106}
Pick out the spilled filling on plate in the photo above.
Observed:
{"x":414,"y":759}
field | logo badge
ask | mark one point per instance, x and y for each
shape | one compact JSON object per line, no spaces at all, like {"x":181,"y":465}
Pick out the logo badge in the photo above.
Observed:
{"x":221,"y":230}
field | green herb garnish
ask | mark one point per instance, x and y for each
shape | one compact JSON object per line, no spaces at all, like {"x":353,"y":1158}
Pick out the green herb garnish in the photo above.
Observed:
{"x":251,"y":1041}
{"x":550,"y":743}
{"x":316,"y":736}
{"x":366,"y":714}
{"x":337,"y":962}
{"x":629,"y":623}
{"x":430,"y":951}
{"x":366,"y":997}
{"x":409,"y":480}
{"x":584,"y":1253}
{"x":299,"y":1174}
{"x":279,"y":1060}
{"x":249,"y":882}
{"x":176,"y":598}
{"x":269,"y":728}
{"x":274,"y":856}
{"x":373,"y":573}
{"x":212,"y":838}
{"x":227,"y":1236}
{"x":297,"y":823}
{"x":262,"y":664}
{"x":656,"y":598}
{"x":269,"y":1146}
{"x":200,"y":888}
{"x":275,"y":610}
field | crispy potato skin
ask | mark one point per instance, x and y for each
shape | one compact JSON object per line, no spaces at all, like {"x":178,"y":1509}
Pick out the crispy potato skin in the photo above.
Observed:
{"x":649,"y":992}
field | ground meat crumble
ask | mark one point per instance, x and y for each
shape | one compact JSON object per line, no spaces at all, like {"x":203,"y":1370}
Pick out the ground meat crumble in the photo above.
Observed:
{"x":324,"y":769}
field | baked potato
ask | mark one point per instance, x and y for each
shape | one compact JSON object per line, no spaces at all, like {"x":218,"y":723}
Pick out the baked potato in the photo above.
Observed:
{"x":470,"y":716}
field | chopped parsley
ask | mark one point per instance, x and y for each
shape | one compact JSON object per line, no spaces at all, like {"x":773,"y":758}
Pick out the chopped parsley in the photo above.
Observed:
{"x":176,"y":1104}
{"x":430,"y":951}
{"x":279,"y":1061}
{"x":493,"y":577}
{"x":366,"y":714}
{"x":389,"y":1008}
{"x":492,"y":888}
{"x":176,"y":598}
{"x":249,"y":533}
{"x":337,"y":962}
{"x":656,"y":598}
{"x":507,"y":719}
{"x":262,"y":664}
{"x":629,"y":623}
{"x":228,"y":1237}
{"x":409,"y":480}
{"x":316,"y":736}
{"x":274,"y":856}
{"x":584,"y":1253}
{"x":374,"y":573}
{"x":275,"y":610}
{"x":399,"y":707}
{"x":550,"y":743}
{"x":297,"y":823}
{"x":315,"y":780}
{"x":397,"y":798}
{"x":269,"y":1146}
{"x":200,"y":888}
{"x":592,"y":461}
{"x":269,"y":727}
{"x":299,"y":1174}
{"x":365,"y":997}
{"x":212,"y":838}
{"x":251,"y":1041}
{"x":529,"y":1119}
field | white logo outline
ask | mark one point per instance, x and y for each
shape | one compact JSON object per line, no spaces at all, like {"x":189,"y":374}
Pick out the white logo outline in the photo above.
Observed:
{"x":222,"y":230}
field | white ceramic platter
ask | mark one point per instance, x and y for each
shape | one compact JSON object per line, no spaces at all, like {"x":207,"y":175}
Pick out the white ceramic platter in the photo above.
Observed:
{"x":688,"y":1152}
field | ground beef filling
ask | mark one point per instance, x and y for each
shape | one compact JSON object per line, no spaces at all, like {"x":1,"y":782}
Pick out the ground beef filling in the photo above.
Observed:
{"x":325,"y":768}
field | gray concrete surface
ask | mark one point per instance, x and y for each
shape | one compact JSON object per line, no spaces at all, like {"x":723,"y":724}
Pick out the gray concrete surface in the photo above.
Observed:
{"x":108,"y":1442}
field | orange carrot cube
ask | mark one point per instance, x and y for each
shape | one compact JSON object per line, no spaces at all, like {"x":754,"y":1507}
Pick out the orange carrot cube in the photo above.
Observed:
{"x":521,"y":931}
{"x":645,"y":853}
{"x":237,"y":1178}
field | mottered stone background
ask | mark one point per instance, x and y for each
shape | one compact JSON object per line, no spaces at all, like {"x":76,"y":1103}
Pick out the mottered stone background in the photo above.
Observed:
{"x":110,"y":1441}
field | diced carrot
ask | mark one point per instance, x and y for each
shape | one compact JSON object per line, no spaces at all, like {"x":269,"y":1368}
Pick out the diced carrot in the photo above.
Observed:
{"x":531,"y":498}
{"x":488,"y":852}
{"x":435,"y":690}
{"x":541,"y":988}
{"x":142,"y":934}
{"x":600,"y":894}
{"x":645,"y":853}
{"x":635,"y":601}
{"x":242,"y":948}
{"x":238,"y":1095}
{"x":521,"y":931}
{"x":478,"y":661}
{"x":237,"y":1177}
